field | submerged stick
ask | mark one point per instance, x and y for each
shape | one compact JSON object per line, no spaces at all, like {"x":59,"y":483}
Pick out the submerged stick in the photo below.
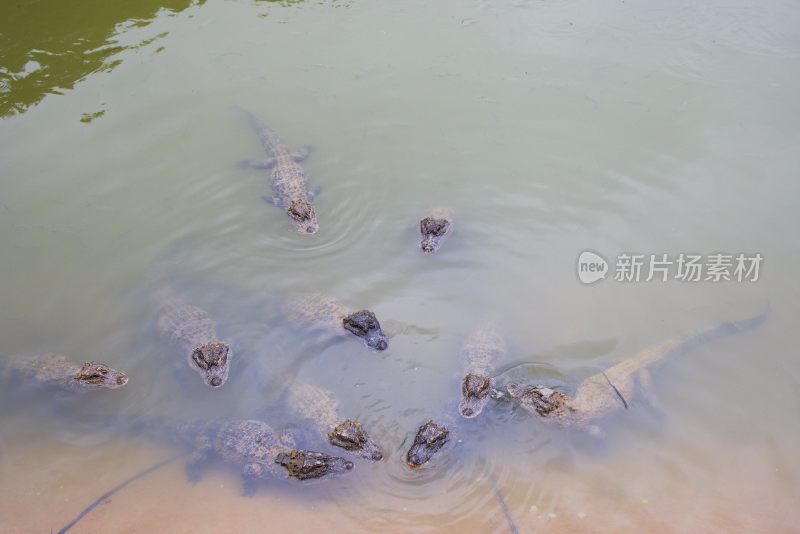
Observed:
{"x":118,"y":487}
{"x":512,"y":526}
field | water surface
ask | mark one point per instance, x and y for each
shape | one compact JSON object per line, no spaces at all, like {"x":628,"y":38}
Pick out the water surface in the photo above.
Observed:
{"x":548,"y":127}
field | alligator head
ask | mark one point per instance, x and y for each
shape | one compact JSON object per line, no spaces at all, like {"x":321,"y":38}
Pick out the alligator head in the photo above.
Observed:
{"x":303,"y":216}
{"x":365,"y":325}
{"x":429,"y":439}
{"x":475,"y":392}
{"x":539,"y":399}
{"x":211,"y":360}
{"x":350,"y":435}
{"x":433,"y":232}
{"x":303,"y":465}
{"x":94,"y":375}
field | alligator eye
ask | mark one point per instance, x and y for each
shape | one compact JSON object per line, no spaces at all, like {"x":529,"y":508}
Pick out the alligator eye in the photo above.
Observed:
{"x":197,"y":357}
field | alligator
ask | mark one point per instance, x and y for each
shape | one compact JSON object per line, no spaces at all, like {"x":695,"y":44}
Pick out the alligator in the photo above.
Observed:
{"x":616,"y":387}
{"x":248,"y":444}
{"x":326,"y":313}
{"x":481,"y":351}
{"x":430,"y":439}
{"x":435,"y":227}
{"x":55,"y":372}
{"x":318,"y":407}
{"x":287,"y":178}
{"x":192,"y":329}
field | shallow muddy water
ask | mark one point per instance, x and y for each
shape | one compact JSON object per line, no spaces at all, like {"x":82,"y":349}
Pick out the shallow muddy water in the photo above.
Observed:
{"x":549,"y":128}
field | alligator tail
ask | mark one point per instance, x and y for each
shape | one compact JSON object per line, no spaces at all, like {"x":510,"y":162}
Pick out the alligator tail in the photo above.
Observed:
{"x":118,"y":487}
{"x":722,"y":330}
{"x":269,"y":138}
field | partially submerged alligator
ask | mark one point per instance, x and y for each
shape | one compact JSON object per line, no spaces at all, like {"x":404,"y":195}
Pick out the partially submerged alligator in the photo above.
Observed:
{"x":616,"y":387}
{"x":248,"y":444}
{"x":251,"y":445}
{"x":318,"y":407}
{"x":55,"y":372}
{"x":194,"y":331}
{"x":287,"y":178}
{"x":430,"y":438}
{"x":481,"y":352}
{"x":435,"y":226}
{"x":326,"y":313}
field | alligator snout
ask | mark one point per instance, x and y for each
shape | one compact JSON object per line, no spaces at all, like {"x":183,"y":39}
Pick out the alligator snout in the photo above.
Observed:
{"x":377,"y":343}
{"x":365,"y":325}
{"x":212,"y":361}
{"x":434,"y":231}
{"x":95,"y":375}
{"x":303,"y":216}
{"x":429,"y":439}
{"x":350,"y":435}
{"x":304,"y":465}
{"x":475,"y":390}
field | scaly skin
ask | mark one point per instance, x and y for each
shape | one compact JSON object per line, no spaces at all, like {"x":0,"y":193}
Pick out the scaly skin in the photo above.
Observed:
{"x":55,"y":372}
{"x":481,"y":352}
{"x":192,"y":329}
{"x":288,"y":181}
{"x":318,"y":407}
{"x":250,"y":445}
{"x":615,"y":388}
{"x":327,"y":314}
{"x":434,"y":228}
{"x":430,"y":438}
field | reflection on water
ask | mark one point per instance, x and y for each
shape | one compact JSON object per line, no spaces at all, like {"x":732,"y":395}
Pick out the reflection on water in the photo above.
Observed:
{"x":46,"y":47}
{"x":547,"y":127}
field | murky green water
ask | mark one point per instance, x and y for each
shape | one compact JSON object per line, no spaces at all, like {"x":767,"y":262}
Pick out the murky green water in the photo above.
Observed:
{"x":548,"y":127}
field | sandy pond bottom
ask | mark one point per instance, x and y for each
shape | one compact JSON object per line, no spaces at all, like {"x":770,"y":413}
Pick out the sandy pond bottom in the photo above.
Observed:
{"x":614,"y":499}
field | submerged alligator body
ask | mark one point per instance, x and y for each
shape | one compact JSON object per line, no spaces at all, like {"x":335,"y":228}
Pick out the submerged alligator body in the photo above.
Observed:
{"x":327,"y":314}
{"x":435,"y":227}
{"x":193,"y":330}
{"x":481,"y":352}
{"x":318,"y":408}
{"x":250,"y":445}
{"x":613,"y":389}
{"x":288,"y":182}
{"x":55,"y":372}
